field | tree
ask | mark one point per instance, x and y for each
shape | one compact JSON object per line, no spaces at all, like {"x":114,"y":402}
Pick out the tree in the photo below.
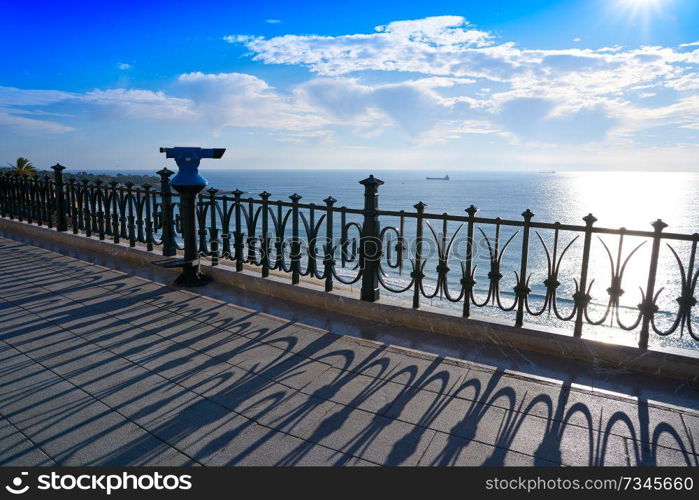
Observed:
{"x":21,"y":167}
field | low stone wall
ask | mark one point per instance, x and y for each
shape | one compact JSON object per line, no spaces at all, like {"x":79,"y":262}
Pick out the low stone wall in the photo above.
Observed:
{"x":667,"y":362}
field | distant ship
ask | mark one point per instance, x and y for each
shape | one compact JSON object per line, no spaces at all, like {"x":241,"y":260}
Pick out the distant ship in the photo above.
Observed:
{"x":445,"y":178}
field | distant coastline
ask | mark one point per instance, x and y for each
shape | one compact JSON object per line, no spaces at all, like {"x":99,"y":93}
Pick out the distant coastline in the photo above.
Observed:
{"x":135,"y":179}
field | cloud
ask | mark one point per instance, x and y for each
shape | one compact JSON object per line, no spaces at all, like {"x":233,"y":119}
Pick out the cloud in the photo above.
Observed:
{"x":16,"y":104}
{"x":414,"y":106}
{"x":31,"y":125}
{"x":11,"y":96}
{"x":590,"y":90}
{"x":390,"y":48}
{"x":123,"y":66}
{"x":449,"y":46}
{"x":424,"y":81}
{"x":536,"y":119}
{"x":144,"y":104}
{"x":242,"y":100}
{"x":272,"y":21}
{"x":683,"y":113}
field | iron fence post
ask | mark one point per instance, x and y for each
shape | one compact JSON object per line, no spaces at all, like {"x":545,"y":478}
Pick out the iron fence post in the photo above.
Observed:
{"x":265,"y":233}
{"x":47,"y":202}
{"x":140,"y":201}
{"x":213,"y":229}
{"x":99,"y":201}
{"x":38,"y":200}
{"x":295,"y":240}
{"x":3,"y":194}
{"x":344,"y":241}
{"x":522,"y":290}
{"x":8,"y":200}
{"x":3,"y":201}
{"x":23,"y":204}
{"x":238,"y":237}
{"x":149,"y":218}
{"x":329,"y":248}
{"x":31,"y":183}
{"x":167,"y":219}
{"x":116,"y":232}
{"x":467,"y":281}
{"x":311,"y":249}
{"x":61,"y":222}
{"x":72,"y":201}
{"x":648,"y":307}
{"x":581,"y":296}
{"x":417,"y":273}
{"x":84,"y":208}
{"x":14,"y":197}
{"x":130,"y":220}
{"x":370,"y":245}
{"x":251,"y":240}
{"x":18,"y":197}
{"x":201,"y":211}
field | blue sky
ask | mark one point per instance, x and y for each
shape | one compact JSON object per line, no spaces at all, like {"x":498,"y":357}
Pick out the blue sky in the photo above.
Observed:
{"x":590,"y":84}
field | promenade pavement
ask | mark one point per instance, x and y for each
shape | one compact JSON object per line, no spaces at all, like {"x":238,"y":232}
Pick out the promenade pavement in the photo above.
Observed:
{"x":102,"y":367}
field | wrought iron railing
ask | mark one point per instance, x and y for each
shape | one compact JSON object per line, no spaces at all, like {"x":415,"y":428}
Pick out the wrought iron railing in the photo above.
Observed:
{"x":375,"y":249}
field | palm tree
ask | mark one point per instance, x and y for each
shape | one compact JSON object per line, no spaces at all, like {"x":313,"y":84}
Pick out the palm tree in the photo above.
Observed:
{"x":22,"y":167}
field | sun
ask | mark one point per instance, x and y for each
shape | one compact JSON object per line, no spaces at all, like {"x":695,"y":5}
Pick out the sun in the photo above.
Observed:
{"x":639,"y":14}
{"x":638,"y":5}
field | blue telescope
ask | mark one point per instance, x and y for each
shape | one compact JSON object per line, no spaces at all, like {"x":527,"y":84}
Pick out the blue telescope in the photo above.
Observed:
{"x":188,"y":183}
{"x":187,"y":160}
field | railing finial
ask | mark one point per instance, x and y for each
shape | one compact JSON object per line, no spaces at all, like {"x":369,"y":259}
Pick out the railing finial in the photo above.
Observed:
{"x":658,"y":225}
{"x":589,"y":219}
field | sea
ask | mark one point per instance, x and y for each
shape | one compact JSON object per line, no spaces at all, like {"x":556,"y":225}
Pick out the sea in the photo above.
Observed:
{"x":632,"y":200}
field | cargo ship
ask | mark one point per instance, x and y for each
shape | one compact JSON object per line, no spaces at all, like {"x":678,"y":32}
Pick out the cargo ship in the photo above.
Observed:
{"x":445,"y":178}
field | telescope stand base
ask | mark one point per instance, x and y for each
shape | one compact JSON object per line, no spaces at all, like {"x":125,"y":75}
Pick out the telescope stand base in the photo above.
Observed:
{"x":191,"y":274}
{"x":192,"y":278}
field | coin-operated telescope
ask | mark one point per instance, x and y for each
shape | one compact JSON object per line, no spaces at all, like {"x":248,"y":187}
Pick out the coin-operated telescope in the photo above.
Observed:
{"x":187,"y":160}
{"x":188,"y":182}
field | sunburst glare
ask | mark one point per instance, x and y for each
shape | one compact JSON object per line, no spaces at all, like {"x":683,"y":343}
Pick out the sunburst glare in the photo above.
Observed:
{"x":639,"y":13}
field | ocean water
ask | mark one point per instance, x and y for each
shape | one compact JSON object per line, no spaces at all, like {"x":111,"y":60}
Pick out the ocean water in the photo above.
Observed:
{"x":629,"y":200}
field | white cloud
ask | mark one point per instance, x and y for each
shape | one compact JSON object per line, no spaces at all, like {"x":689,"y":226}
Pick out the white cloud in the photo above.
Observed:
{"x":588,"y":90}
{"x":123,"y":66}
{"x":685,"y":83}
{"x":537,"y":119}
{"x":31,"y":125}
{"x":11,"y":96}
{"x":137,"y":104}
{"x":448,"y":46}
{"x":448,"y":81}
{"x":683,"y":113}
{"x":413,"y":106}
{"x":16,"y":104}
{"x":242,"y":100}
{"x":272,"y":21}
{"x":400,"y":45}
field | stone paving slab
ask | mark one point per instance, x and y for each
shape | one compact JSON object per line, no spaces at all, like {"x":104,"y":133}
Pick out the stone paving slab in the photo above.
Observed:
{"x":98,"y":367}
{"x":18,"y":449}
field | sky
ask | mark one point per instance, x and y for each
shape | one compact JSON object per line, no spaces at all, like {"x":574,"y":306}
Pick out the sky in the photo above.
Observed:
{"x":433,"y":85}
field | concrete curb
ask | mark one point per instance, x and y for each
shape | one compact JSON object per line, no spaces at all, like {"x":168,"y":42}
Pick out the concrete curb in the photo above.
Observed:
{"x":667,"y":362}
